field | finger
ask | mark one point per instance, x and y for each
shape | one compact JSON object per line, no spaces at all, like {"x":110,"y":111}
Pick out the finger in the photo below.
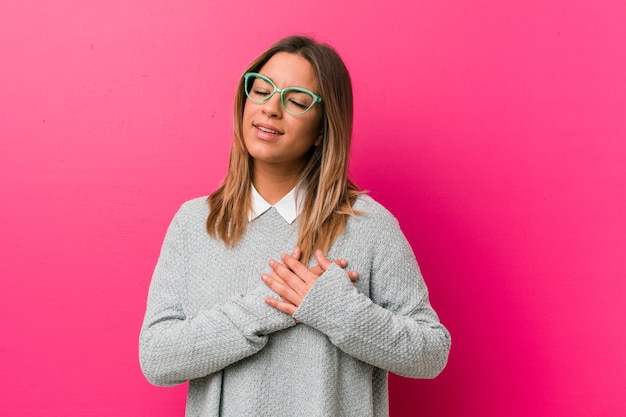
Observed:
{"x":277,"y":277}
{"x":282,"y":289}
{"x":353,"y":275}
{"x":317,"y":270}
{"x":322,"y":260}
{"x":280,"y":305}
{"x":297,"y":252}
{"x":288,"y":277}
{"x":341,"y":262}
{"x":300,"y":270}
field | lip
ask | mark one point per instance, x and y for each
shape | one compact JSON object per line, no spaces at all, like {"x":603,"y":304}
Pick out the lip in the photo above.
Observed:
{"x":266,"y":131}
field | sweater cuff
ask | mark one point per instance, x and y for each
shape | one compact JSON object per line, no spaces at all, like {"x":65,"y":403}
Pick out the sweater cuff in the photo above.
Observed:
{"x":324,"y":307}
{"x":255,"y":317}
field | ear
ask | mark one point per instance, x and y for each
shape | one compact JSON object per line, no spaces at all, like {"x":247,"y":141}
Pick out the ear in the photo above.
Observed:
{"x":318,"y":141}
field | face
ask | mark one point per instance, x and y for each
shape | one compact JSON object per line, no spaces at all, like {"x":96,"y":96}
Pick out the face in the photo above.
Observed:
{"x":275,"y":138}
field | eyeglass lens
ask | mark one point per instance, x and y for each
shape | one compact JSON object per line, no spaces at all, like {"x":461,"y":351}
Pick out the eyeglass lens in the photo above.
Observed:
{"x":260,"y":90}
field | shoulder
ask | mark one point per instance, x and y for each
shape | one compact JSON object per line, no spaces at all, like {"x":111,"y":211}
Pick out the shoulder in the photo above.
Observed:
{"x":198,"y":205}
{"x":372,"y":210}
{"x":192,"y":212}
{"x":373,"y":232}
{"x":372,"y":219}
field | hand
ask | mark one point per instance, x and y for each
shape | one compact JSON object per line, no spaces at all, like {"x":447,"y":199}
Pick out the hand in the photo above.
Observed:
{"x":292,"y":280}
{"x":316,"y":269}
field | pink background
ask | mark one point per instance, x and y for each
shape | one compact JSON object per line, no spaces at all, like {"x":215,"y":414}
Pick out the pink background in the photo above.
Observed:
{"x":495,"y":131}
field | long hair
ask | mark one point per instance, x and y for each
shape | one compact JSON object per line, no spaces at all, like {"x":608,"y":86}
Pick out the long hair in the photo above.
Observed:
{"x":330,"y":195}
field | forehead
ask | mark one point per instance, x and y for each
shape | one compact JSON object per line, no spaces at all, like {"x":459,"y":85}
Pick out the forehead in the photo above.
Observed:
{"x":290,"y":70}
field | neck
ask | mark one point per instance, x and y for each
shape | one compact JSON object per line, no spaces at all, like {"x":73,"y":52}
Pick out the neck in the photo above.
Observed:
{"x":274,"y":184}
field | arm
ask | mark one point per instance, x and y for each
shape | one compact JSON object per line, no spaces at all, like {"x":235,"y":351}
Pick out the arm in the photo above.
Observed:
{"x":394,"y":329}
{"x":414,"y":345}
{"x":175,"y":347}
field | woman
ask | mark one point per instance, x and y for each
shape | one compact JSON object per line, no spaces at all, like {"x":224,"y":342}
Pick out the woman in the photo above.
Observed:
{"x":245,"y":302}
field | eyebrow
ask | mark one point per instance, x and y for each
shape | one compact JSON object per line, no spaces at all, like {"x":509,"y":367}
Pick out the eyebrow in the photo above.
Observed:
{"x":282,"y":88}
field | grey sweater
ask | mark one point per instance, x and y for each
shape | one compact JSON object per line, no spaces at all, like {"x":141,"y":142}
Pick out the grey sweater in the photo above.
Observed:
{"x":206,"y":320}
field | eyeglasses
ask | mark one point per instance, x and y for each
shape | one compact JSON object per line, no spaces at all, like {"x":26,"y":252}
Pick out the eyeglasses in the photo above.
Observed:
{"x":295,"y":100}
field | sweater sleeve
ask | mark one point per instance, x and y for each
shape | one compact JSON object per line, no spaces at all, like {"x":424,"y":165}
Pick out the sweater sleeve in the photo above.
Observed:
{"x":395,"y":328}
{"x":175,"y":347}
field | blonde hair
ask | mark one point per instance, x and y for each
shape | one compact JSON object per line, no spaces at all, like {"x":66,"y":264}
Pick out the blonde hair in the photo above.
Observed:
{"x":330,"y":195}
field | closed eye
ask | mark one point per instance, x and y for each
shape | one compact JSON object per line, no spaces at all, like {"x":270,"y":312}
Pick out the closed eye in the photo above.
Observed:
{"x":298,"y":104}
{"x":262,"y":93}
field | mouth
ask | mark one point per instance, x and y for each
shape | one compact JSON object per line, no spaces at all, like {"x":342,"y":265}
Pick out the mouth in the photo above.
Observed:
{"x":267,"y":129}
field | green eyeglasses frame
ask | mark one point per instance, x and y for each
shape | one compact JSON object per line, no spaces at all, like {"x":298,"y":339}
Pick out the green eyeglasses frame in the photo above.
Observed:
{"x":281,"y":91}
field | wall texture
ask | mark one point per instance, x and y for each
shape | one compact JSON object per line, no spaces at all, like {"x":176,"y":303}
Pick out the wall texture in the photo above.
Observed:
{"x":495,"y":131}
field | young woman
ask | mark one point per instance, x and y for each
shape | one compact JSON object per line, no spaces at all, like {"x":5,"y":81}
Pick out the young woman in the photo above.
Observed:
{"x":245,"y":302}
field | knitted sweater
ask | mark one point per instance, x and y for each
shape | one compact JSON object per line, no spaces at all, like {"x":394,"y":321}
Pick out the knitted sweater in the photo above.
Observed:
{"x":207,"y":322}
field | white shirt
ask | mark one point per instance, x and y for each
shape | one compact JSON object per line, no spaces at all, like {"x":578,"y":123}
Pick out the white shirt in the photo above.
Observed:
{"x":288,"y":207}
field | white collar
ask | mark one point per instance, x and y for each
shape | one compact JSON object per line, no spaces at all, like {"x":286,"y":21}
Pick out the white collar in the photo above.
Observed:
{"x":288,"y":207}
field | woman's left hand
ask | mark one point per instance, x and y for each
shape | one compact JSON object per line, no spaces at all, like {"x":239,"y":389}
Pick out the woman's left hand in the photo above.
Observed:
{"x":292,"y":280}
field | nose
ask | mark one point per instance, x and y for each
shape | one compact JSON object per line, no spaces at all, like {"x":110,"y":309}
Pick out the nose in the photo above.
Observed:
{"x":273,"y":106}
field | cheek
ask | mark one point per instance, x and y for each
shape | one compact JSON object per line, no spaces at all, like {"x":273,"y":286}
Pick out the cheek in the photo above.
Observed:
{"x":247,"y":110}
{"x":313,"y":125}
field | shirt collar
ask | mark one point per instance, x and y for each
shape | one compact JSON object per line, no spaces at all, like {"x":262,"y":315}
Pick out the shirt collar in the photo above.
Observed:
{"x":288,"y":207}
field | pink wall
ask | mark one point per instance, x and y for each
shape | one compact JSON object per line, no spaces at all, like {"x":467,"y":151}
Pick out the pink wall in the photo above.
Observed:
{"x":495,"y":131}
